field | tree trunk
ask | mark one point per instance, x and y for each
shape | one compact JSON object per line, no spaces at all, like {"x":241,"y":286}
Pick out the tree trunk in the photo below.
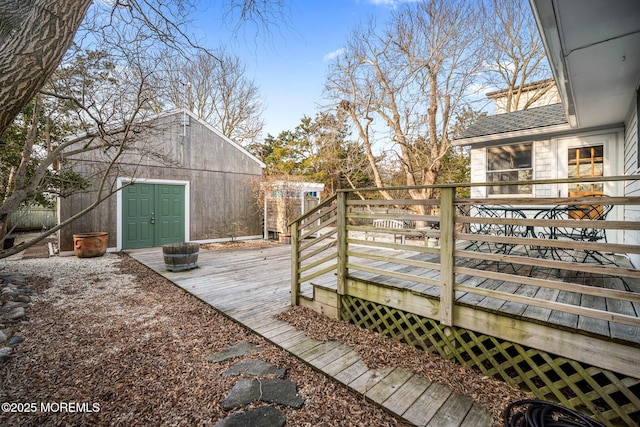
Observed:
{"x":34,"y":37}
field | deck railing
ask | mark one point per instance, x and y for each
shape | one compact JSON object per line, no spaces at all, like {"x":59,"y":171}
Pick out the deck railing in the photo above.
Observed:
{"x":313,"y":239}
{"x":338,"y":240}
{"x":540,"y":292}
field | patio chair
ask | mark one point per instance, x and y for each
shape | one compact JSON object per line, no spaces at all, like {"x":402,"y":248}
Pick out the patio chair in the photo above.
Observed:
{"x":588,"y":213}
{"x":507,"y":230}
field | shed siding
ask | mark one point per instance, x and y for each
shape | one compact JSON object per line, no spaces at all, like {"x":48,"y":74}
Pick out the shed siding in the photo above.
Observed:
{"x":220,"y":175}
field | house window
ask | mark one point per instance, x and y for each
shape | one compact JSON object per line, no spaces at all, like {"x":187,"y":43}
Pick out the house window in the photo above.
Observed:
{"x":510,"y":163}
{"x":586,"y":162}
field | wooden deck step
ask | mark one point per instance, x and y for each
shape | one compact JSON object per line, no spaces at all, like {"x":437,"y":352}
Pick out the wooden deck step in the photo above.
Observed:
{"x":251,"y":286}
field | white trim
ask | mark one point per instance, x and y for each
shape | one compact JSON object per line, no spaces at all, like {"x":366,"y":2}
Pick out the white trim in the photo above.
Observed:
{"x":265,"y":229}
{"x":548,"y":25}
{"x":612,"y":162}
{"x":533,"y":170}
{"x":121,"y":181}
{"x":613,"y":165}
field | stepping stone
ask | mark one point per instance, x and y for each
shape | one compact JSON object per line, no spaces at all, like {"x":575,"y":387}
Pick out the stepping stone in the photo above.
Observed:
{"x":243,"y":348}
{"x":15,"y":340}
{"x":15,"y":314}
{"x":256,"y":368}
{"x":245,"y":391}
{"x":267,"y":416}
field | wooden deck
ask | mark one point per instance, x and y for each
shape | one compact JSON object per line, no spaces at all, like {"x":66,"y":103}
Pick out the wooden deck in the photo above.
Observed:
{"x":510,"y":281}
{"x":251,"y":285}
{"x":607,"y":330}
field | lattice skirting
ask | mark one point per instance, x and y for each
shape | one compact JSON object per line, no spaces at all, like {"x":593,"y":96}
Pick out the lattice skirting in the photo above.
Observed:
{"x":611,"y":398}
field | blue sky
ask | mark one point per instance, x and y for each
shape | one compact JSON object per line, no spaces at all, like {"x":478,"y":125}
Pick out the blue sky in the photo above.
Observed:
{"x":290,"y":63}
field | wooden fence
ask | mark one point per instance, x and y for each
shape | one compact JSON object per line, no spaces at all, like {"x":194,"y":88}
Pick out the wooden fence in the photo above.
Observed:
{"x":33,"y":218}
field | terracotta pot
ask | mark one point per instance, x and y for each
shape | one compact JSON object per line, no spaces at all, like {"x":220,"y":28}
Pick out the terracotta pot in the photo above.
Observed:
{"x":181,"y":256}
{"x":89,"y":245}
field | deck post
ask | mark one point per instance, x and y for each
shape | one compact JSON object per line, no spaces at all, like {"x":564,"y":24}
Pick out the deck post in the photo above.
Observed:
{"x":295,"y":267}
{"x":342,"y":247}
{"x":447,"y":277}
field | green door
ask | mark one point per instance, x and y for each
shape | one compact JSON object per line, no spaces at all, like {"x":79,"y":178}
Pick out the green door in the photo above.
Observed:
{"x":169,"y":226}
{"x":152,"y":215}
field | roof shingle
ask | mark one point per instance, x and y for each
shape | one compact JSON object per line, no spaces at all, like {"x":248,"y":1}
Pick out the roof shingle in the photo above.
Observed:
{"x":539,"y":117}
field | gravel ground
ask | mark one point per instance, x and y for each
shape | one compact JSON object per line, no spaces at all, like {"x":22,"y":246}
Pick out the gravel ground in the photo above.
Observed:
{"x":112,"y":332}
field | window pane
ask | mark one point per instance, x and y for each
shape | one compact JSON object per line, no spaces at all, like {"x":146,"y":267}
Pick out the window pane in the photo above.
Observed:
{"x":598,"y":151}
{"x":509,"y":163}
{"x":585,"y":161}
{"x":498,"y":159}
{"x":509,"y":157}
{"x":523,"y":175}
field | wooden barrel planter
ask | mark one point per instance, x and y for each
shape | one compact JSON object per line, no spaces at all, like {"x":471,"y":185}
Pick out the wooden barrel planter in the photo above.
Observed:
{"x":181,"y":256}
{"x":90,"y":245}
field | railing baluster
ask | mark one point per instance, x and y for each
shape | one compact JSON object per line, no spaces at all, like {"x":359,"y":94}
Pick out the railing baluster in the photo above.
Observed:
{"x":295,"y":263}
{"x":342,"y":246}
{"x":447,"y":277}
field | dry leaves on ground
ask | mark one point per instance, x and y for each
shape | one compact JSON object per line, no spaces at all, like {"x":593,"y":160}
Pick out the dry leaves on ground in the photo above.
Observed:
{"x":379,"y":351}
{"x":112,"y":332}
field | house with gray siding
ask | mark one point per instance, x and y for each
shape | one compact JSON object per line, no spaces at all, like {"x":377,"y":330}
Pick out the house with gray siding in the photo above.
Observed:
{"x":182,"y":180}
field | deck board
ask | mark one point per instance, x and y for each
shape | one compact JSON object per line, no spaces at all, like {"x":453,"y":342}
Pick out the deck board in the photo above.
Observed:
{"x":351,"y":372}
{"x":290,"y":341}
{"x":389,"y":385}
{"x":342,"y":363}
{"x":425,"y":407}
{"x":330,"y":356}
{"x":540,"y":313}
{"x":252,"y":286}
{"x":596,"y":326}
{"x":365,"y":382}
{"x":406,"y":394}
{"x":476,"y":418}
{"x":452,"y":412}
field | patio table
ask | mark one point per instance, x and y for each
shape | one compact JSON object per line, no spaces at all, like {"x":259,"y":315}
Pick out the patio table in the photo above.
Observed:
{"x":569,"y":232}
{"x":507,"y":230}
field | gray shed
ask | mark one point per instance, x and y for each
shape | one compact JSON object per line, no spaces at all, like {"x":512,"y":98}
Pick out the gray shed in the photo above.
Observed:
{"x":194,"y":184}
{"x":284,"y":201}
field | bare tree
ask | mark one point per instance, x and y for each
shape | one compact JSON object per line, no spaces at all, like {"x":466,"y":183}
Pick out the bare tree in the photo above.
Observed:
{"x":35,"y":35}
{"x":402,"y":85}
{"x":216,"y":88}
{"x":515,"y":56}
{"x":99,"y":111}
{"x":106,"y":54}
